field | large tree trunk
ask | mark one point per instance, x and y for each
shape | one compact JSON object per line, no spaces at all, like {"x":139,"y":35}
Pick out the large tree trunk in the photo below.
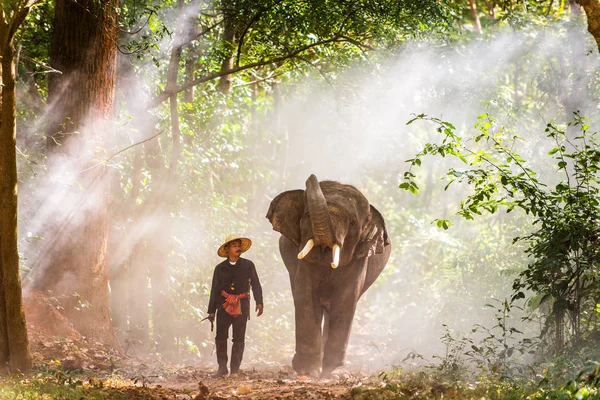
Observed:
{"x":14,"y":345}
{"x":73,"y":264}
{"x":592,"y":10}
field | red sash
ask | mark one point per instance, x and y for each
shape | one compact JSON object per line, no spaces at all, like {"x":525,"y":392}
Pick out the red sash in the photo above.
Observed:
{"x":232,"y":303}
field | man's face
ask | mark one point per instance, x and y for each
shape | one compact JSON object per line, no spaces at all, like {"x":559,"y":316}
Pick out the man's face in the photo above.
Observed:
{"x":234,"y":249}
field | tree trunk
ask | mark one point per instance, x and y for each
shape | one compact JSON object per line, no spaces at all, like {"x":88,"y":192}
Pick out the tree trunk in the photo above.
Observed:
{"x":74,"y":265}
{"x":139,"y":299}
{"x":490,"y":4}
{"x":121,"y":210}
{"x":189,"y":94}
{"x":558,"y":335}
{"x":190,"y":67}
{"x":117,"y":259}
{"x":592,"y":10}
{"x":228,"y":39}
{"x":160,"y":205}
{"x":281,"y":128}
{"x":517,"y":84}
{"x":14,"y":345}
{"x":475,"y":16}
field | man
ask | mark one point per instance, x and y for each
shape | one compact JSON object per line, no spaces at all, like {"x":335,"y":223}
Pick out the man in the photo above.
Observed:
{"x":230,"y":299}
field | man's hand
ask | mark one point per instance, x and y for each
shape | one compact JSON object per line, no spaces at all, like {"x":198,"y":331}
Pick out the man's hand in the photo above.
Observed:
{"x":211,"y":318}
{"x":259,"y":310}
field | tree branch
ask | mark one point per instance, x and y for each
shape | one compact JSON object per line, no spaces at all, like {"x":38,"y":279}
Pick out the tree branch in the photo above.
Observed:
{"x":252,"y":21}
{"x":165,"y":94}
{"x":272,"y":75}
{"x":120,"y":151}
{"x":325,"y":78}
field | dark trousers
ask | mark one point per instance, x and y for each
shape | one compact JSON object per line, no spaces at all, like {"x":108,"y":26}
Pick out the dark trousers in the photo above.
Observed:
{"x":225,"y":320}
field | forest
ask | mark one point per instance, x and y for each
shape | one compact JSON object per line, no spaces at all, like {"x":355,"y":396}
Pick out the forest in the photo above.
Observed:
{"x":419,"y":179}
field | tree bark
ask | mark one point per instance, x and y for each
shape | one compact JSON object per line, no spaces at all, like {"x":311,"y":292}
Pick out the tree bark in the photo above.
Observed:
{"x":189,"y":94}
{"x":74,"y":265}
{"x":228,"y":39}
{"x":281,"y":128}
{"x":159,"y":206}
{"x":558,"y":335}
{"x":491,"y":5}
{"x":475,"y":16}
{"x":592,"y":11}
{"x":14,"y":344}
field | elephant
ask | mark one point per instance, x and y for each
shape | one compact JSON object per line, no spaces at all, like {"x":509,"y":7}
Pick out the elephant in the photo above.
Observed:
{"x":334,"y":245}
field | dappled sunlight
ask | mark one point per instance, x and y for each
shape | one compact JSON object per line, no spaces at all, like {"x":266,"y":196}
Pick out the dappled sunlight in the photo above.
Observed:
{"x":148,"y":133}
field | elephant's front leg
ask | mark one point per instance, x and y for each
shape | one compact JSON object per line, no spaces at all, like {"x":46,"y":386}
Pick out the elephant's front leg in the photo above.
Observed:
{"x":340,"y":325}
{"x":342,"y":309}
{"x":309,"y":316}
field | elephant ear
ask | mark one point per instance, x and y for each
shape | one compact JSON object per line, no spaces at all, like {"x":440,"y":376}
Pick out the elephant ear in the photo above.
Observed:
{"x":285,"y":212}
{"x":375,"y":236}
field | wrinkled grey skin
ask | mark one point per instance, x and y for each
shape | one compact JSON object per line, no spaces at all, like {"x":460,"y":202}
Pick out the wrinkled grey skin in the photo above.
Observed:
{"x":325,"y":298}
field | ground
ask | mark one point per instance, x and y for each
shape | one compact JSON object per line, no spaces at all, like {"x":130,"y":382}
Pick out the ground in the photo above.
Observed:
{"x":69,"y":366}
{"x":76,"y":369}
{"x":92,"y":370}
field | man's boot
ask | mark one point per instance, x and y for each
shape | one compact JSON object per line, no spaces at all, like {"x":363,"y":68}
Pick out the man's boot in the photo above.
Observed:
{"x":221,"y":358}
{"x":237,"y":352}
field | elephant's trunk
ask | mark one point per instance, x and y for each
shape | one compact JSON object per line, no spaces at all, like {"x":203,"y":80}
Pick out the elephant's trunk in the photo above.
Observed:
{"x":319,"y":214}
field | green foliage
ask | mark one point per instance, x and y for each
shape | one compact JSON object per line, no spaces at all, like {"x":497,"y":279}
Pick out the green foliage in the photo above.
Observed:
{"x":586,"y":385}
{"x":564,"y":248}
{"x":232,"y":149}
{"x":311,"y":35}
{"x":499,"y":351}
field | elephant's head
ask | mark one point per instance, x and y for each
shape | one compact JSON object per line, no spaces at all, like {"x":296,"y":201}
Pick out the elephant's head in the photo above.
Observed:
{"x":330,"y":223}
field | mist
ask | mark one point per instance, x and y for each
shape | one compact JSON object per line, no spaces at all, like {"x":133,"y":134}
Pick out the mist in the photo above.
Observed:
{"x":352,"y":129}
{"x":355,"y":131}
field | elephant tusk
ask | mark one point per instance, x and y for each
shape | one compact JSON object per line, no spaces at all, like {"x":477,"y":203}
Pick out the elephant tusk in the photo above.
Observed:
{"x":336,"y":256}
{"x":307,"y":248}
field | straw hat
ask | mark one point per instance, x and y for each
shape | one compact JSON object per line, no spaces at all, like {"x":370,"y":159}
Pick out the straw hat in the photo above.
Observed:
{"x":246,"y":243}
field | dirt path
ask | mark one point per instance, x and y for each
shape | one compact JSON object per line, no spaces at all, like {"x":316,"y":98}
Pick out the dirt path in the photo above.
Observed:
{"x":270,"y":383}
{"x":148,"y":378}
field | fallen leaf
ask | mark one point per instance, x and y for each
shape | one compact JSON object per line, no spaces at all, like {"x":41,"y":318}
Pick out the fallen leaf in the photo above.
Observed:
{"x":203,"y":390}
{"x":242,"y":390}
